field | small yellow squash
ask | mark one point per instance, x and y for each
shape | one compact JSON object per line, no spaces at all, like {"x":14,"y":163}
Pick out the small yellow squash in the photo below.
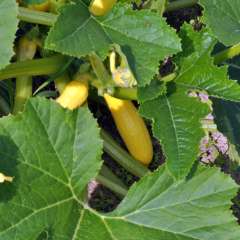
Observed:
{"x":131,"y":128}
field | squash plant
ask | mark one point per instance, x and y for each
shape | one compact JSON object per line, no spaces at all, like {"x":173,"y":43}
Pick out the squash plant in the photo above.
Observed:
{"x":56,"y":57}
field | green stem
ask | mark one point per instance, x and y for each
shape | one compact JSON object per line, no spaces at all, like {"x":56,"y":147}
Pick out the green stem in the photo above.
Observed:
{"x":111,"y":185}
{"x":106,"y":172}
{"x":26,"y":50}
{"x":23,"y":92}
{"x":176,"y":5}
{"x":121,"y":156}
{"x":227,"y":54}
{"x":126,"y":93}
{"x":36,"y":67}
{"x":37,"y":17}
{"x":169,"y":77}
{"x":103,"y":77}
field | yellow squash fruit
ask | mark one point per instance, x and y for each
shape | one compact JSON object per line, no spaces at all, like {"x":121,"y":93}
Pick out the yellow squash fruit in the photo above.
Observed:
{"x":101,"y":7}
{"x":44,"y":7}
{"x":131,"y":128}
{"x":74,"y":94}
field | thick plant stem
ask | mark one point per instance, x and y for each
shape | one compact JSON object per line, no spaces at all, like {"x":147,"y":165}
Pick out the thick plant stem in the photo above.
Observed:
{"x":26,"y":50}
{"x":111,"y":185}
{"x":37,"y":17}
{"x":126,"y":93}
{"x":176,"y":5}
{"x":107,"y":173}
{"x":227,"y":54}
{"x":169,"y":77}
{"x":121,"y":156}
{"x":23,"y":92}
{"x":36,"y":67}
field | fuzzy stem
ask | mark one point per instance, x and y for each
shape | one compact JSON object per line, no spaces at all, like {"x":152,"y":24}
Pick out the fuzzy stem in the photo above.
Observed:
{"x":106,"y":172}
{"x":36,"y":67}
{"x":168,"y":78}
{"x":111,"y":185}
{"x":176,"y":5}
{"x":23,"y":92}
{"x":121,"y":156}
{"x":126,"y":93}
{"x":37,"y":17}
{"x":26,"y":51}
{"x":227,"y":54}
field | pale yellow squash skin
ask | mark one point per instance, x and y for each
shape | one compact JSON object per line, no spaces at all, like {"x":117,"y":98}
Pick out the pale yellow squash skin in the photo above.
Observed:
{"x":131,"y":128}
{"x":43,"y":7}
{"x":74,"y":94}
{"x":101,"y":7}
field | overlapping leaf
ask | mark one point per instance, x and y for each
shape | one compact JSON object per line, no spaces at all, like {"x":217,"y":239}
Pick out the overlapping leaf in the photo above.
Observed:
{"x":8,"y":28}
{"x":52,"y":154}
{"x":155,"y":89}
{"x":144,"y":36}
{"x":224,"y":19}
{"x":197,"y":70}
{"x":176,"y":118}
{"x":176,"y":123}
{"x":159,"y":208}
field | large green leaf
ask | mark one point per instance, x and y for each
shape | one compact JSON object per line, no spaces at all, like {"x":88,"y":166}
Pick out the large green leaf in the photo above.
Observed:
{"x":52,"y":154}
{"x":8,"y":28}
{"x":159,"y":208}
{"x":197,"y":70}
{"x":176,"y":123}
{"x":223,"y":16}
{"x":144,"y":36}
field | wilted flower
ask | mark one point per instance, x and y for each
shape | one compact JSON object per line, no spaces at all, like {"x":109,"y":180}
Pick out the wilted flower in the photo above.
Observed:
{"x":220,"y":141}
{"x":209,"y":117}
{"x":92,"y":185}
{"x":203,"y":97}
{"x":212,"y":145}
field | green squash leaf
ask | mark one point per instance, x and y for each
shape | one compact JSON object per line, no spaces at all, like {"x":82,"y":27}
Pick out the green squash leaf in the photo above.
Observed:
{"x":155,"y":89}
{"x":144,"y":37}
{"x":8,"y":28}
{"x":223,"y":17}
{"x":194,"y":209}
{"x":197,"y":70}
{"x":176,"y":123}
{"x":52,"y":153}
